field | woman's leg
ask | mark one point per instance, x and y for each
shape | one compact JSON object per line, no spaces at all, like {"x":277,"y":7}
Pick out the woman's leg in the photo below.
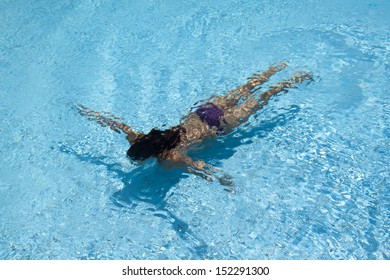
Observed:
{"x":232,"y":98}
{"x":240,"y":114}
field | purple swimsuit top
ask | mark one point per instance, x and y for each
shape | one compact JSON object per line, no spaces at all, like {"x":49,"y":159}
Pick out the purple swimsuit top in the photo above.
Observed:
{"x":211,"y":114}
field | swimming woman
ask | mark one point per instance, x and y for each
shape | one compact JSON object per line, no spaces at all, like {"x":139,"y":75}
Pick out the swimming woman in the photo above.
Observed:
{"x":218,"y":116}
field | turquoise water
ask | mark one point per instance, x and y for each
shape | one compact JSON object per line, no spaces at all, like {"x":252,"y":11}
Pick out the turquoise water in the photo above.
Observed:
{"x":311,"y":169}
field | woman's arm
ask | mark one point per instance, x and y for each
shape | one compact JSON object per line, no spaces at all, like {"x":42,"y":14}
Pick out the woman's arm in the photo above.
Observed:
{"x":110,"y":120}
{"x":200,"y":168}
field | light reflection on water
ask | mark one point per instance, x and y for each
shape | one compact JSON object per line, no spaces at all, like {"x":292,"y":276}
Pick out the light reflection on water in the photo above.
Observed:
{"x":310,"y":170}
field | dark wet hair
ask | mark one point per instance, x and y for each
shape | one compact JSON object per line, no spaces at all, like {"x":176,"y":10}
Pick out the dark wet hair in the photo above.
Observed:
{"x":154,"y":143}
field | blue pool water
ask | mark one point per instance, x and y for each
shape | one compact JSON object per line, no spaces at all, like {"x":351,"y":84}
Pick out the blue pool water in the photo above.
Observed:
{"x":311,"y":169}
